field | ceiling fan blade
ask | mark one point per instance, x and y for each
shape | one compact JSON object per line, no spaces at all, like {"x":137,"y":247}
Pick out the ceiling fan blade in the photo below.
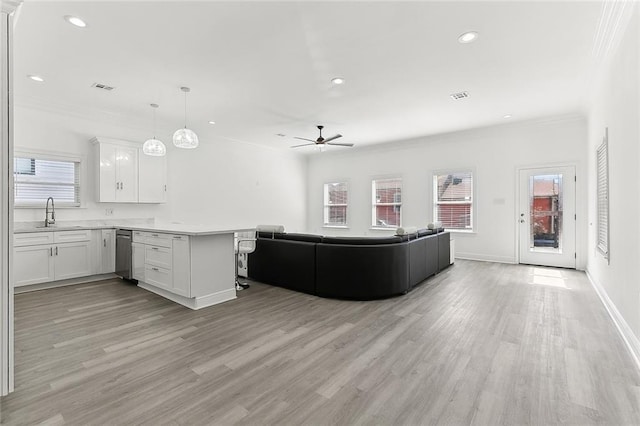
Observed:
{"x":332,"y":138}
{"x":304,"y":144}
{"x":304,"y":139}
{"x":340,"y":144}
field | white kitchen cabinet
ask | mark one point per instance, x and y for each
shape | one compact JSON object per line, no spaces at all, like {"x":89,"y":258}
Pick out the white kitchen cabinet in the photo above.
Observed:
{"x":152,"y":178}
{"x":117,"y":171}
{"x":181,"y":264}
{"x":166,"y":260}
{"x":72,"y":260}
{"x":137,"y":261}
{"x":107,"y":251}
{"x":33,"y":264}
{"x":66,"y":254}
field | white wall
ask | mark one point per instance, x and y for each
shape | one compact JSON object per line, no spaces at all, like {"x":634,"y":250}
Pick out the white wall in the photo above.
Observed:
{"x":616,"y":105}
{"x":223,"y":183}
{"x":493,"y":153}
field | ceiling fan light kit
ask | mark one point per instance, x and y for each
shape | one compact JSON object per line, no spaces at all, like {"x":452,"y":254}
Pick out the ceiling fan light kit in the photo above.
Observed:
{"x":185,"y":138}
{"x":153,"y":146}
{"x":320,"y":142}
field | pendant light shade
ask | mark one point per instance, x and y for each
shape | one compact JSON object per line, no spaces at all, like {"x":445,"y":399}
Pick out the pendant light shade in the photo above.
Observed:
{"x":153,"y":146}
{"x":185,"y":138}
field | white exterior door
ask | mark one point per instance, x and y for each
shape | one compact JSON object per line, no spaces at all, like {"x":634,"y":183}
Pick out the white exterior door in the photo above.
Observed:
{"x":546,"y":219}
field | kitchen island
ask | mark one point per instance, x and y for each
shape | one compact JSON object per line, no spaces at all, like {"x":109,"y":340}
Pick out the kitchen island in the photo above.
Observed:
{"x":192,"y":265}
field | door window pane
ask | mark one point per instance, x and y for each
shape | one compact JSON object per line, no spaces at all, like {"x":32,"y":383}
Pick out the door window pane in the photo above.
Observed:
{"x":545,"y":195}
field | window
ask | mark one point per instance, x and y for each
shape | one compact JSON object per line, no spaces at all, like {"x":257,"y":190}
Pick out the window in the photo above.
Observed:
{"x":387,"y":203}
{"x":602,"y":165}
{"x":36,"y":179}
{"x":335,"y":204}
{"x":453,"y":200}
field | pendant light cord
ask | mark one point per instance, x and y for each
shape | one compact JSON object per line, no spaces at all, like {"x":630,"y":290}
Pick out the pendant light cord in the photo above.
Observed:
{"x":154,"y":123}
{"x":185,"y":109}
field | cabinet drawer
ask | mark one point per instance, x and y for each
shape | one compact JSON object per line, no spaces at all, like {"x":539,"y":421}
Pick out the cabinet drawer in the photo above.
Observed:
{"x":157,"y":276}
{"x":153,"y":238}
{"x":158,"y":256}
{"x":32,"y":239}
{"x":138,"y":236}
{"x":72,"y":236}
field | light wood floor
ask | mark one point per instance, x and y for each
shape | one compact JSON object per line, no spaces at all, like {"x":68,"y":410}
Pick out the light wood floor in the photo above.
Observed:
{"x":480,"y":344}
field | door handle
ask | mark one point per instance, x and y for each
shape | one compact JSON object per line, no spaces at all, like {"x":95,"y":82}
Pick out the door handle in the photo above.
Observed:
{"x":521,"y":220}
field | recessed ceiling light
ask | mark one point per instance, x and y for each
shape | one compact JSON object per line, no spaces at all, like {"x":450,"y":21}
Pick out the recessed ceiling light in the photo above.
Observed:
{"x":337,"y":80}
{"x":36,"y":78}
{"x":74,"y":20}
{"x":212,"y":122}
{"x":468,"y":37}
{"x":506,"y":116}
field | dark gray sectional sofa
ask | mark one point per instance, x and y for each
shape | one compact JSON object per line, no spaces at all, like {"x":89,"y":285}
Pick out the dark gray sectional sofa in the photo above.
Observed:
{"x":358,"y":268}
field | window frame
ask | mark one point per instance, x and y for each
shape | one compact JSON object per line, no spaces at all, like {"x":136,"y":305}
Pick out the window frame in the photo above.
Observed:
{"x":374,"y":203}
{"x":326,"y":205}
{"x":435,"y":203}
{"x":53,"y":156}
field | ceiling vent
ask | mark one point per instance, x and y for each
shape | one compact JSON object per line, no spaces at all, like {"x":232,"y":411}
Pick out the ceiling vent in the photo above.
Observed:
{"x":459,"y":95}
{"x":102,"y":86}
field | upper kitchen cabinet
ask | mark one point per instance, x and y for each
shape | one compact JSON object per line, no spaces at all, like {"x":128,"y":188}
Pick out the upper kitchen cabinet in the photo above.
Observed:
{"x":152,"y":180}
{"x":126,"y":175}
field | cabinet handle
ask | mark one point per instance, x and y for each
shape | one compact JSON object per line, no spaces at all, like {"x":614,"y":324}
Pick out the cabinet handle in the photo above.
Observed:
{"x":50,"y":251}
{"x":117,"y":185}
{"x":121,"y":185}
{"x":154,"y":248}
{"x":56,"y":251}
{"x":177,"y":237}
{"x":165,"y":188}
{"x":155,"y":269}
{"x":105,"y":242}
{"x":154,"y":235}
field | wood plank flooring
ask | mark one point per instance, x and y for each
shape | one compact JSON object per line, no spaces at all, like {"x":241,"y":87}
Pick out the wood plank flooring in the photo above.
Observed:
{"x":480,"y":343}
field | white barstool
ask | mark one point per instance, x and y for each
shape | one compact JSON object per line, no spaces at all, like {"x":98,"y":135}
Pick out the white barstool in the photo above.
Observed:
{"x":245,"y":243}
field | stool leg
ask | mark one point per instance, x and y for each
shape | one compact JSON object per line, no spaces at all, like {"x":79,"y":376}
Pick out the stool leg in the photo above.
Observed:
{"x":238,"y":286}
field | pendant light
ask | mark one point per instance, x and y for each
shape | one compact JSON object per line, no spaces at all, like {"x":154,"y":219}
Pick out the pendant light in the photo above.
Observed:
{"x":153,"y":146}
{"x":185,"y":138}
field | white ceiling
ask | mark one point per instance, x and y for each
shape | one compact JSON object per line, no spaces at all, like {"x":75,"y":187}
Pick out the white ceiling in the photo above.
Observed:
{"x":262,"y":68}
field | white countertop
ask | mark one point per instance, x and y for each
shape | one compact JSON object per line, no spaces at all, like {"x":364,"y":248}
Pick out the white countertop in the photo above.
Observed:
{"x":134,"y":224}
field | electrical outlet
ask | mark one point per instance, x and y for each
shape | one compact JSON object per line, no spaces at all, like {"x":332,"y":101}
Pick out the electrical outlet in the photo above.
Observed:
{"x":108,"y":212}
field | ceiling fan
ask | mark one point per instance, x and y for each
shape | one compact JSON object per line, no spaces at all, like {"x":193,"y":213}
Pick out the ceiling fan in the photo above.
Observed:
{"x":322,"y":141}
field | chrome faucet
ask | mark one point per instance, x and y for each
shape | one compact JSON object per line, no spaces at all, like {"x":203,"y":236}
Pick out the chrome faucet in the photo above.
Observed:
{"x":51,"y":221}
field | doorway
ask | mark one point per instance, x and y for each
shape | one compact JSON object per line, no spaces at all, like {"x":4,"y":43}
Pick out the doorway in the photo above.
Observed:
{"x":547,"y":216}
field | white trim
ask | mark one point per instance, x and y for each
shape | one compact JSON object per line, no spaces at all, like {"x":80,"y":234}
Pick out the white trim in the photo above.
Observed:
{"x":485,"y":258}
{"x":630,"y":340}
{"x":63,"y":283}
{"x":194,"y":303}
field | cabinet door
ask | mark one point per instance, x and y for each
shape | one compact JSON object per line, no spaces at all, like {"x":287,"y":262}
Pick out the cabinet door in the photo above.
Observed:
{"x":32,"y":265}
{"x":72,"y":260}
{"x":152,"y":179}
{"x":108,"y":251}
{"x":137,"y":261}
{"x":181,"y":265}
{"x":107,"y":182}
{"x":127,"y":174}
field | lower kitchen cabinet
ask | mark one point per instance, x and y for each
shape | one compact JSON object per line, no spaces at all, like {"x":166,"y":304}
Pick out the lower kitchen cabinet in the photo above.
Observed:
{"x":38,"y":263}
{"x":107,"y":251}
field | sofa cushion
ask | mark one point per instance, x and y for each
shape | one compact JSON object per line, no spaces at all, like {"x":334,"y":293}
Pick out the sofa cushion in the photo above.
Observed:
{"x":277,"y":229}
{"x":362,"y":241}
{"x":309,"y":238}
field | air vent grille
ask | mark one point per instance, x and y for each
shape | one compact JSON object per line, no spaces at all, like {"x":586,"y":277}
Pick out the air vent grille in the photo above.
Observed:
{"x":102,"y":86}
{"x":459,"y":95}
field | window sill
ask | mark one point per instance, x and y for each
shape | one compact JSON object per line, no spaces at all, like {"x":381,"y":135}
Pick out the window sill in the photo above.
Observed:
{"x":383,"y":228}
{"x":461,"y":231}
{"x":38,"y":207}
{"x":336,"y":226}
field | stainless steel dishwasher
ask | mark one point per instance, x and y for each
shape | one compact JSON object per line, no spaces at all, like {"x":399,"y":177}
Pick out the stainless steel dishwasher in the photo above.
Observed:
{"x":123,"y":253}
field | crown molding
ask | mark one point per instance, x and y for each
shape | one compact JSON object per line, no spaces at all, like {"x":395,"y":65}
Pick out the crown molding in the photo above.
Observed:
{"x":614,"y":18}
{"x":10,"y":6}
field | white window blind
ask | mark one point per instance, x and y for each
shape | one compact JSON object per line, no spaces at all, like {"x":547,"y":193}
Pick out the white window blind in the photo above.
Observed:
{"x":336,"y":196}
{"x":453,"y":200}
{"x":37,"y":179}
{"x":602,"y":164}
{"x":387,"y":203}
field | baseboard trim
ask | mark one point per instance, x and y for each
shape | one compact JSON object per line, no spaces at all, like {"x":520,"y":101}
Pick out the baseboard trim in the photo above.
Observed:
{"x":485,"y":258}
{"x":194,"y":303}
{"x":62,"y":283}
{"x":629,"y":338}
